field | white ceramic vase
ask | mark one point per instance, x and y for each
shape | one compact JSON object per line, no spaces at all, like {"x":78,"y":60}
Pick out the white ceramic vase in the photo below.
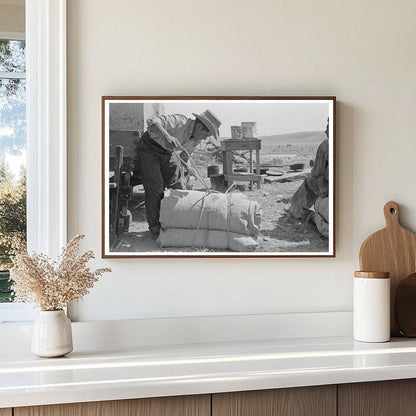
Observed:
{"x":52,"y":334}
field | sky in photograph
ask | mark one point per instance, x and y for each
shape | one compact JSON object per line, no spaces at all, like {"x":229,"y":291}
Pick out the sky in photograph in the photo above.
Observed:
{"x":272,"y":117}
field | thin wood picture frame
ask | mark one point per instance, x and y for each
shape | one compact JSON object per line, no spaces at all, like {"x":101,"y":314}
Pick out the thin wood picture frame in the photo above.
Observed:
{"x":245,"y":176}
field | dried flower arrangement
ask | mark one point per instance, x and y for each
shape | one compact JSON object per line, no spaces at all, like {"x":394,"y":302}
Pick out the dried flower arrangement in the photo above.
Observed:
{"x":53,"y":285}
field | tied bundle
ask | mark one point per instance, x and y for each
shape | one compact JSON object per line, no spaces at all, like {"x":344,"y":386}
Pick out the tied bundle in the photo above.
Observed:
{"x":209,"y":220}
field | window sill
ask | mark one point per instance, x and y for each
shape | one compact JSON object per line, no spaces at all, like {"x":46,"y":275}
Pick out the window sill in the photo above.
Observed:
{"x":16,"y":313}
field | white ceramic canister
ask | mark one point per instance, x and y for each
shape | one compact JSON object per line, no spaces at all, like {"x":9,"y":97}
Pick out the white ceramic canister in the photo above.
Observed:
{"x":371,"y":314}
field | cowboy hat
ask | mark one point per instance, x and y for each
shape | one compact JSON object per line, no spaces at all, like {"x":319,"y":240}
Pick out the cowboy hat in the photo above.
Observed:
{"x":211,"y":121}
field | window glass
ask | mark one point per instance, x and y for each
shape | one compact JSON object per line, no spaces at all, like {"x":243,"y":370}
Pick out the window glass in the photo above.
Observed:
{"x":12,"y":156}
{"x":12,"y":56}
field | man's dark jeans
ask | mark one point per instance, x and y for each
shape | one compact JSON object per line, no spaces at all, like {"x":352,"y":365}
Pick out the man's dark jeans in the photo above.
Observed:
{"x":158,"y":172}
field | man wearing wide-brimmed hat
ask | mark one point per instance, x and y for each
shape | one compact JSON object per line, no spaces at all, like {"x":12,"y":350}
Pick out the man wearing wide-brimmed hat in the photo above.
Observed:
{"x":158,"y":169}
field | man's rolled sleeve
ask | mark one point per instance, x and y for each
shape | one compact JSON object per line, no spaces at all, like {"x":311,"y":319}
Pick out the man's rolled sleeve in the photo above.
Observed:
{"x":162,"y":128}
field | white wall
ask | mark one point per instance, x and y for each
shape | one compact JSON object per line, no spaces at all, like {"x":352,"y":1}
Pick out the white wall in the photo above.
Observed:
{"x":361,"y":51}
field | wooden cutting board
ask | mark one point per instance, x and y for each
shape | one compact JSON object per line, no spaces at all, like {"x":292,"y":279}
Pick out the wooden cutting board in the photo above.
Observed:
{"x":405,"y":306}
{"x":393,"y":250}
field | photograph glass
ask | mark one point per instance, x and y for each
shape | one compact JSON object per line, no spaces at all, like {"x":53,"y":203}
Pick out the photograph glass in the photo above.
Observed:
{"x":218,"y":176}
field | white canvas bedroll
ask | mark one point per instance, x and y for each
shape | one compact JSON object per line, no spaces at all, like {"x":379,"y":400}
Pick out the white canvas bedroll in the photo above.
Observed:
{"x":222,"y":240}
{"x":209,"y":219}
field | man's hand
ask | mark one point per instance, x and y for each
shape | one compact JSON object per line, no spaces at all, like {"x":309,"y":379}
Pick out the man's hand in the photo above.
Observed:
{"x":174,"y":142}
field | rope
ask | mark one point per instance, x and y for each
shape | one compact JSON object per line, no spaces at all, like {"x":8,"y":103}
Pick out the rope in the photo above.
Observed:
{"x":182,"y":175}
{"x":200,"y":219}
{"x":194,"y":170}
{"x":228,"y":218}
{"x":191,"y":166}
{"x":228,"y":196}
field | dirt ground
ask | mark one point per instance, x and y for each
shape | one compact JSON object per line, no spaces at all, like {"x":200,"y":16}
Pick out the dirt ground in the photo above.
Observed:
{"x":279,"y":232}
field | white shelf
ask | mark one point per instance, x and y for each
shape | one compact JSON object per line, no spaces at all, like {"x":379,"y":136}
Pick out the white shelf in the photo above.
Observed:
{"x":150,"y":371}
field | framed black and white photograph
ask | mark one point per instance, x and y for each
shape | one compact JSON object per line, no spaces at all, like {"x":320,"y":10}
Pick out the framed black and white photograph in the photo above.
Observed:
{"x":218,"y":176}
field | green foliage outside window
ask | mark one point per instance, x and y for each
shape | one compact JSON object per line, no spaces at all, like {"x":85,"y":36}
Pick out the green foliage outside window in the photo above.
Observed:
{"x":12,"y":223}
{"x":12,"y":144}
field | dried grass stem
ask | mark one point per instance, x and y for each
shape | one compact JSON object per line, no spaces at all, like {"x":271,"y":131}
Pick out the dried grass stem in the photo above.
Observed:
{"x":53,"y":285}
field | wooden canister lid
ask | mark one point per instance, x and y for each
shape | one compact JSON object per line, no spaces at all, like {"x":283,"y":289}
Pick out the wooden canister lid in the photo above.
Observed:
{"x":372,"y":275}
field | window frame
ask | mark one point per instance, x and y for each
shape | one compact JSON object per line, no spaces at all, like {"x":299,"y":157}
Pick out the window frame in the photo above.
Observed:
{"x":46,"y":138}
{"x":12,"y":35}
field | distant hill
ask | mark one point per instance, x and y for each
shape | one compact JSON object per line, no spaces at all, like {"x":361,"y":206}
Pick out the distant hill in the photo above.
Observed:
{"x":290,"y":145}
{"x":303,"y":137}
{"x":299,"y":138}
